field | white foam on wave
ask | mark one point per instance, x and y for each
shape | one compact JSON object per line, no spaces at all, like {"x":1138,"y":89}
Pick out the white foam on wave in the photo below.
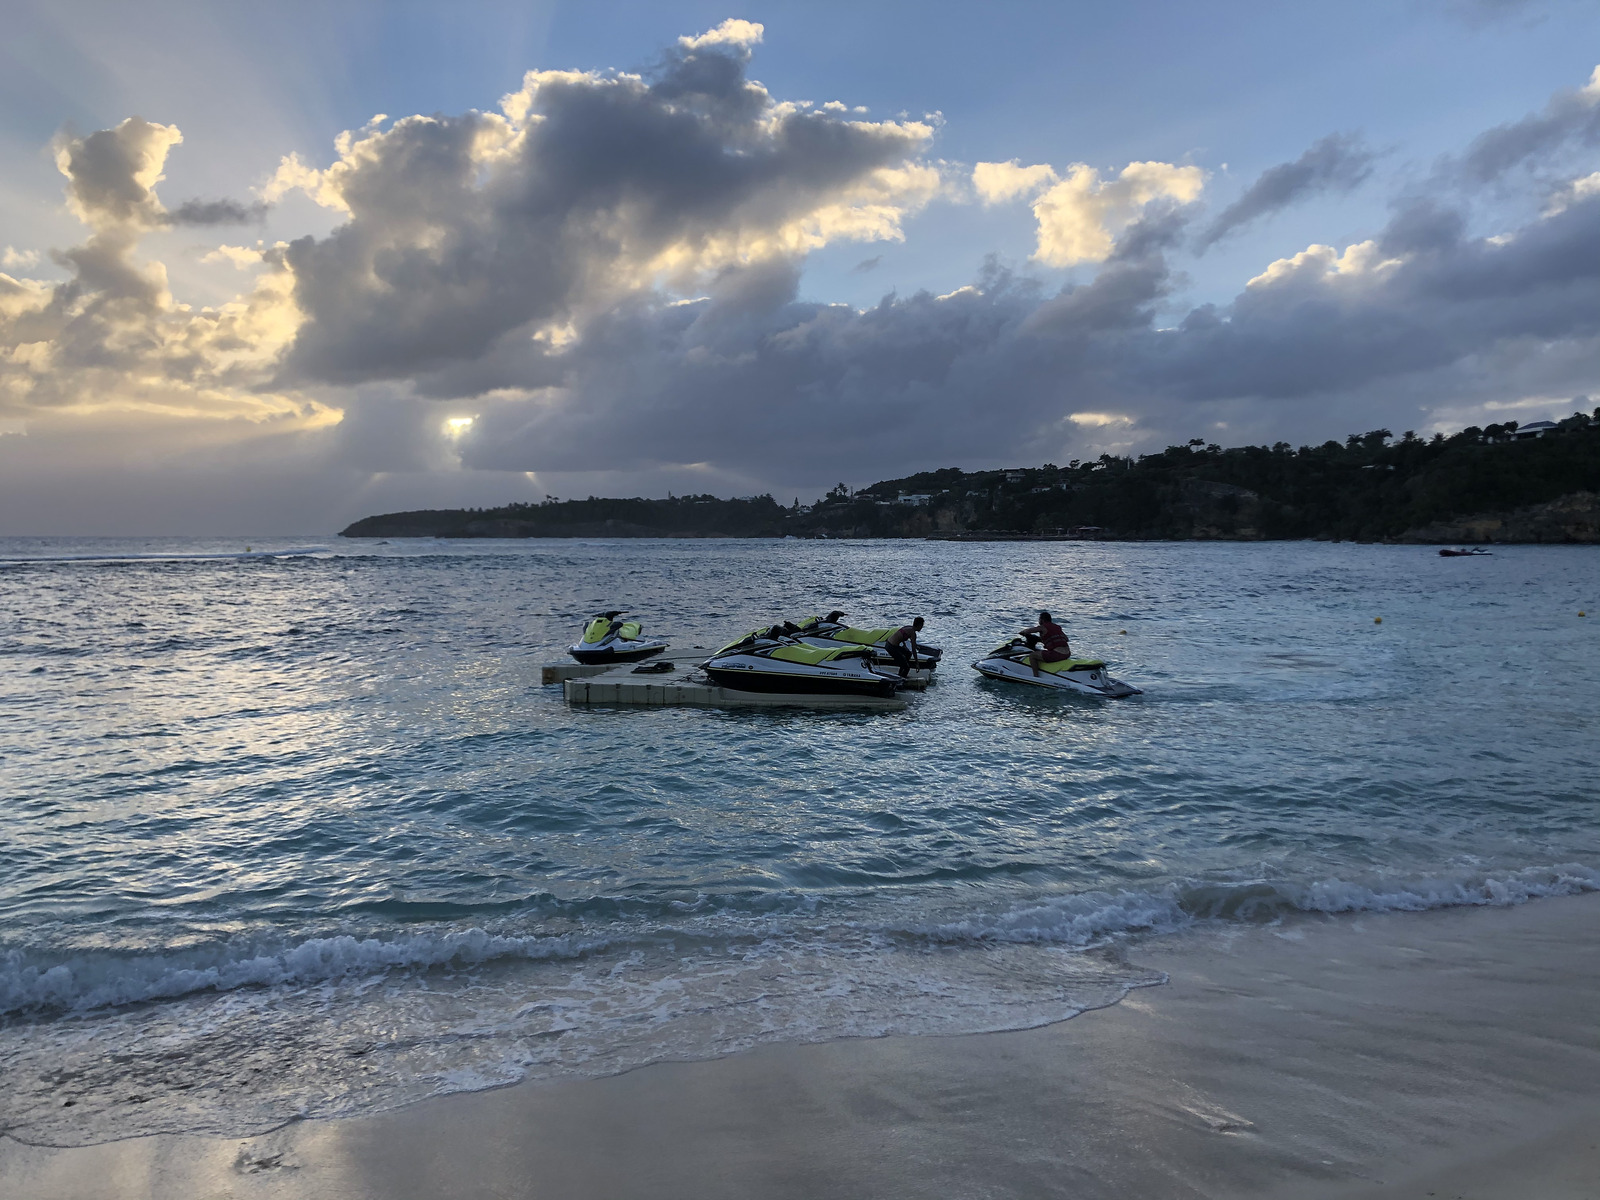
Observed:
{"x":1090,"y":919}
{"x":1075,"y":921}
{"x":1515,"y":887}
{"x":84,"y":982}
{"x":340,"y":1026}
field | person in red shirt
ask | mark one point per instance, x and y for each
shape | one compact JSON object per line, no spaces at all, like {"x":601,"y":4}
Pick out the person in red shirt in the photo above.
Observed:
{"x":1053,"y":645}
{"x":902,"y":645}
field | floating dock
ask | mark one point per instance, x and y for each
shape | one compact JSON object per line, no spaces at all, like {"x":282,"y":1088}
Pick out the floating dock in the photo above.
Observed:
{"x":560,"y":672}
{"x":686,"y":685}
{"x":684,"y":663}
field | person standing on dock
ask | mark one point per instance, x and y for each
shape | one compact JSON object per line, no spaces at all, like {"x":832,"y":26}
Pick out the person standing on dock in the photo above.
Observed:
{"x":902,"y":646}
{"x":1053,"y":644}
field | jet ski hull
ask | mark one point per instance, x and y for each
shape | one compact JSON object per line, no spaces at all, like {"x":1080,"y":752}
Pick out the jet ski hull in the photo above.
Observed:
{"x":770,"y":660}
{"x":627,"y":652}
{"x":756,"y":679}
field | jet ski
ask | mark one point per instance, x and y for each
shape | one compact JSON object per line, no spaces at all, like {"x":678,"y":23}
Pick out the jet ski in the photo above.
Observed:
{"x":1083,"y":676}
{"x":830,"y":631}
{"x":769,"y":660}
{"x":608,"y":640}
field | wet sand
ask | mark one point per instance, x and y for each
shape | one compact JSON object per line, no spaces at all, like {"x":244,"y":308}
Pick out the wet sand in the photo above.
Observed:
{"x":1444,"y":1054}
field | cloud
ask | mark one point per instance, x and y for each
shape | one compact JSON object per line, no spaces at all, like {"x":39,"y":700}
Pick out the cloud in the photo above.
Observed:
{"x":1572,"y":116}
{"x":1574,"y":191}
{"x":217,"y":212}
{"x":1080,"y":216}
{"x":1339,"y":162}
{"x":1324,"y":323}
{"x":997,"y":182}
{"x":466,"y":232}
{"x":605,"y":274}
{"x":1099,"y":420}
{"x":112,"y":174}
{"x":1003,"y":369}
{"x":740,"y":35}
{"x":240,"y":257}
{"x":112,"y":340}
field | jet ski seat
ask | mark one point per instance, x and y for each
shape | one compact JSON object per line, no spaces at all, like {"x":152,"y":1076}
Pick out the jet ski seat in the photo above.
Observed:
{"x":861,"y":637}
{"x":1072,"y":664}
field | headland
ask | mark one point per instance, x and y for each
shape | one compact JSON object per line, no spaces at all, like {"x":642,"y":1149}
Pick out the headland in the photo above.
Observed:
{"x":1478,"y":486}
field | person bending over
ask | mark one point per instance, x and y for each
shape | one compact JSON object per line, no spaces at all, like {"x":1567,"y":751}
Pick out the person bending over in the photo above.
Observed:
{"x":1053,"y":645}
{"x":902,"y":646}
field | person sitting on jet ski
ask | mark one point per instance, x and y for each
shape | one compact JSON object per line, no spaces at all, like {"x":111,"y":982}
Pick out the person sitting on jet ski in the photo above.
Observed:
{"x":1053,"y":645}
{"x":896,"y":645}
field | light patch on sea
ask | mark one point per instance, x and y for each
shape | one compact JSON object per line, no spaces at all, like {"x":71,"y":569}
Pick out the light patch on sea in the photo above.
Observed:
{"x":306,"y":835}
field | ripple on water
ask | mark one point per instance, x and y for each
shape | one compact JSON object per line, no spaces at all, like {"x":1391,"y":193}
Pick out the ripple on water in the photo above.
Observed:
{"x":314,"y":824}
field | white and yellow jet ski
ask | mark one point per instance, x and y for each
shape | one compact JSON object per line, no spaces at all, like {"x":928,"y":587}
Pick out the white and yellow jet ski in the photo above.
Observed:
{"x":608,"y":640}
{"x":768,"y":660}
{"x":1083,"y":676}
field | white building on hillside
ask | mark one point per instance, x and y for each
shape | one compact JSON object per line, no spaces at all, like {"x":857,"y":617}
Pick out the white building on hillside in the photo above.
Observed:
{"x":1535,"y":429}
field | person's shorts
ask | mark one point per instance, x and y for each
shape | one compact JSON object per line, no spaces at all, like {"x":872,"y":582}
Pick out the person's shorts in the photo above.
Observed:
{"x":1054,"y":655}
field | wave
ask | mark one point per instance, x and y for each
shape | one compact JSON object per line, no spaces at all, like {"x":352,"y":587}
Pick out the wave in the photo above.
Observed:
{"x":82,"y":983}
{"x":162,"y":556}
{"x":1088,"y":919}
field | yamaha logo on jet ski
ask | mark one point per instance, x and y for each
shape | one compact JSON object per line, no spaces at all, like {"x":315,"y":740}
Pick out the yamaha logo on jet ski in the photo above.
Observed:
{"x":608,"y":640}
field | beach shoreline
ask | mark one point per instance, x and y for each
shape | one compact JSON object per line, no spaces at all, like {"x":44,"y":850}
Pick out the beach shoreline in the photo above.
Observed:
{"x":1363,"y":1055}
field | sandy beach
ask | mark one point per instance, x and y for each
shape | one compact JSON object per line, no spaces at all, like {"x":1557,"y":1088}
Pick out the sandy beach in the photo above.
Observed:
{"x":1451,"y":1053}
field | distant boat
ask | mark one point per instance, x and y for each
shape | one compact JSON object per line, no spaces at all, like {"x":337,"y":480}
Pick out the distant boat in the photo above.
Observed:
{"x":1463,"y":552}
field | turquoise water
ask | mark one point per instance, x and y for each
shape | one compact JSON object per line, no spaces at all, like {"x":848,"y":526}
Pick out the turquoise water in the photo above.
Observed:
{"x":306,"y":836}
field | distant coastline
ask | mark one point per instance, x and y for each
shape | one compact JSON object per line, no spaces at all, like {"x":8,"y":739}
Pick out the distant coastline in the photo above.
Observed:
{"x":1500,"y":484}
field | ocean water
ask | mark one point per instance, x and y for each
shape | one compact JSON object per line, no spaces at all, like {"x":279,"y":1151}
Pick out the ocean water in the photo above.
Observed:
{"x":305,"y":836}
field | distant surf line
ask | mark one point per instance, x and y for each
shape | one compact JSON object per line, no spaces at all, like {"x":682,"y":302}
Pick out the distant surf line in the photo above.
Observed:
{"x":220,"y":556}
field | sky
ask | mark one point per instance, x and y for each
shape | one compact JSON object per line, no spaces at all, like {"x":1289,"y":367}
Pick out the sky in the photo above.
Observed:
{"x":266,"y":269}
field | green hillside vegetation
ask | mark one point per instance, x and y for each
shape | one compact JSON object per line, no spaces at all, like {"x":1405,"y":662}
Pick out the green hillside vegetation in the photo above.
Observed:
{"x":1480,"y":484}
{"x":679,"y":516}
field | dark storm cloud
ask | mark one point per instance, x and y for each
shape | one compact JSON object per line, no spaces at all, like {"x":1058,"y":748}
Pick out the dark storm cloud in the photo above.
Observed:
{"x":465,"y":229}
{"x":1571,"y":118}
{"x":217,"y":212}
{"x":1338,"y":162}
{"x":1423,"y":224}
{"x":752,"y":378}
{"x":1316,"y":333}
